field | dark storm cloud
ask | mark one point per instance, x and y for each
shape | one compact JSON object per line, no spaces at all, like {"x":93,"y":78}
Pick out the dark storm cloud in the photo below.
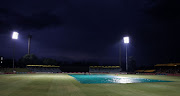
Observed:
{"x":7,"y":19}
{"x":164,"y":9}
{"x":10,"y":20}
{"x":41,"y":20}
{"x":159,"y":31}
{"x":94,"y":28}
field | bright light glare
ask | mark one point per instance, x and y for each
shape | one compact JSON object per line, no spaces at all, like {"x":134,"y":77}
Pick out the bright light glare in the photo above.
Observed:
{"x":126,"y":40}
{"x":15,"y":35}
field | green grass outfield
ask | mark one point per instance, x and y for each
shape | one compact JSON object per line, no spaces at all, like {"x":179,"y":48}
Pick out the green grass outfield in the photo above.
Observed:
{"x":65,"y":85}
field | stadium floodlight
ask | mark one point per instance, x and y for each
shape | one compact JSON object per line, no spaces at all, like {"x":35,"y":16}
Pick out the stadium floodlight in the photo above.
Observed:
{"x":15,"y":35}
{"x":126,"y":40}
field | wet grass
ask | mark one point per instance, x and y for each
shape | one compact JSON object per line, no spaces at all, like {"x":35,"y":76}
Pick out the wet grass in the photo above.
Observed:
{"x":65,"y":85}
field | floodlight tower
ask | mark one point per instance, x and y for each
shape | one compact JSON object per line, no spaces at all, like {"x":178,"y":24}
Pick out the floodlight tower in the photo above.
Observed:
{"x":15,"y":37}
{"x":29,"y":43}
{"x":126,"y":41}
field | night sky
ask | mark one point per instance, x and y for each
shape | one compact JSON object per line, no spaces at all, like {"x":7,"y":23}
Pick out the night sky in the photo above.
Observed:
{"x":92,"y":30}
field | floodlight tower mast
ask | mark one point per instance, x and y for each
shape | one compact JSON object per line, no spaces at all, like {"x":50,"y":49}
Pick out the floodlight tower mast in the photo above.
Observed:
{"x":120,"y":56}
{"x":15,"y":37}
{"x":29,"y":43}
{"x":126,"y":41}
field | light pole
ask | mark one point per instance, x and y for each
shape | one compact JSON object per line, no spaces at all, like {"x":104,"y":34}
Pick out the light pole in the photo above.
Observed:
{"x":126,"y":41}
{"x":120,"y":56}
{"x":14,"y":36}
{"x":29,"y":43}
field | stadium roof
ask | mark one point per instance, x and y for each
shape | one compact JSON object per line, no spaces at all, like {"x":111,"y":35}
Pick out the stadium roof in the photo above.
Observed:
{"x":170,"y":64}
{"x":104,"y":66}
{"x":42,"y":66}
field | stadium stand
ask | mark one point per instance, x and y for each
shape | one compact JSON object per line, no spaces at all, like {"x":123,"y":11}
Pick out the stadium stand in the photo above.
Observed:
{"x":44,"y":68}
{"x":104,"y":69}
{"x":146,"y":71}
{"x":173,"y":68}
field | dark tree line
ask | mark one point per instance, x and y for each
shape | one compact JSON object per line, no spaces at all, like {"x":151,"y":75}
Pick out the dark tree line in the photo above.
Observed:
{"x":28,"y":59}
{"x":31,"y":59}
